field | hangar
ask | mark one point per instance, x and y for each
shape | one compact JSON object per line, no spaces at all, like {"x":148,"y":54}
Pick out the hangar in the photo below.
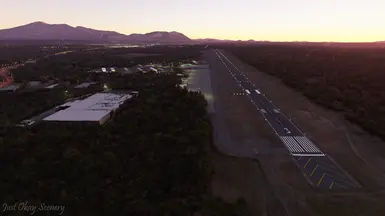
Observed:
{"x":96,"y":108}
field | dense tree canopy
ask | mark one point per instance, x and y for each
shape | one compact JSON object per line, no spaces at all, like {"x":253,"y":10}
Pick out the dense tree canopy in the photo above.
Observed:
{"x":149,"y":160}
{"x":16,"y":53}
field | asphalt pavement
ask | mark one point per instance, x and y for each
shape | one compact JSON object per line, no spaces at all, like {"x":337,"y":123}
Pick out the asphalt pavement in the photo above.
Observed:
{"x":322,"y":172}
{"x":199,"y":80}
{"x":224,"y":139}
{"x":319,"y":169}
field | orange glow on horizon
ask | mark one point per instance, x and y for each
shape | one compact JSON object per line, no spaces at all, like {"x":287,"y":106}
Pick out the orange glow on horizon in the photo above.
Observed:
{"x":274,"y":20}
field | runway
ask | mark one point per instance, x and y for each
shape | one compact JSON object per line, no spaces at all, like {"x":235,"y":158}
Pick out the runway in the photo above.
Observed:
{"x":320,"y":170}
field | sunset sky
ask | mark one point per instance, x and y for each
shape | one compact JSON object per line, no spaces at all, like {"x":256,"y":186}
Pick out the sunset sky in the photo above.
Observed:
{"x":274,"y":20}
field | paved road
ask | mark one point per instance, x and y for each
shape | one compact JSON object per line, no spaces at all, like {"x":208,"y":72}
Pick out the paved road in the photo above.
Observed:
{"x":319,"y":169}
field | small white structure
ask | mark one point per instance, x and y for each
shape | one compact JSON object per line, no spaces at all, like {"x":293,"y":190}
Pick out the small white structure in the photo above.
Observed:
{"x":85,"y":85}
{"x":30,"y":61}
{"x":134,"y":93}
{"x":153,"y":69}
{"x":52,"y":86}
{"x":11,"y":88}
{"x":27,"y":122}
{"x":96,"y":108}
{"x":104,"y":70}
{"x":186,"y":65}
{"x":113,"y":70}
{"x":34,"y":84}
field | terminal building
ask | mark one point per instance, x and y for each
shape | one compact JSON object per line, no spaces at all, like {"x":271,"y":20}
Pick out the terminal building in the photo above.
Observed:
{"x":97,"y":108}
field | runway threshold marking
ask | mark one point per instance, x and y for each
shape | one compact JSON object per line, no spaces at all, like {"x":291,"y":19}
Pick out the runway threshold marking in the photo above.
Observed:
{"x":309,"y":155}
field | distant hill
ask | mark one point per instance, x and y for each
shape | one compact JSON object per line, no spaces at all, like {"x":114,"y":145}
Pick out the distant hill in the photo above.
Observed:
{"x":219,"y":41}
{"x":159,"y":36}
{"x":211,"y":40}
{"x":44,"y":31}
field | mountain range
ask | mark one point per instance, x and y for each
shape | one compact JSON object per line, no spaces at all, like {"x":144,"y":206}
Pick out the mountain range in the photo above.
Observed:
{"x":44,"y":31}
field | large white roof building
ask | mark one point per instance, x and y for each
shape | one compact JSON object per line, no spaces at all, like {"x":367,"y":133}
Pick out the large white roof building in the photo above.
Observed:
{"x":96,"y":108}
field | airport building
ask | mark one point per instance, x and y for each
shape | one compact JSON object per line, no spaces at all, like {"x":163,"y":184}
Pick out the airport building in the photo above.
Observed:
{"x":11,"y":88}
{"x":149,"y":68}
{"x":97,"y":108}
{"x":106,"y":70}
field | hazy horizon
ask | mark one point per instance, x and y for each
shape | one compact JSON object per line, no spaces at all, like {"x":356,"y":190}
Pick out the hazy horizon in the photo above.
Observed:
{"x":275,"y":20}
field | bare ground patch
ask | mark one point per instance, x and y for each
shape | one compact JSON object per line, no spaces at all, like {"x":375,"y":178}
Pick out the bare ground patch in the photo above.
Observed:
{"x":237,"y":178}
{"x":355,"y":204}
